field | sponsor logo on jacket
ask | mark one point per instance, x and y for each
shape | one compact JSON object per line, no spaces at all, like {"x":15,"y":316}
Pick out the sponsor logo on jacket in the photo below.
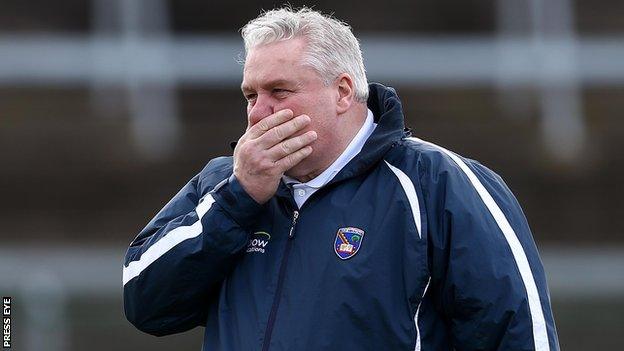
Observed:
{"x":258,"y":242}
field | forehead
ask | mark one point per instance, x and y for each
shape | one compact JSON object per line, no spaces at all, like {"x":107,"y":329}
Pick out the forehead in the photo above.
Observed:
{"x":279,"y":61}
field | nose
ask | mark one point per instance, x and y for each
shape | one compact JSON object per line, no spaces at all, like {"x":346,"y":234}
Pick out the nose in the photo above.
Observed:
{"x":261,"y":108}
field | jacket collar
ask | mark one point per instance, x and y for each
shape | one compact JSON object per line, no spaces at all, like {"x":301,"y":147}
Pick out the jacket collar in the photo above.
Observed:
{"x":388,"y":112}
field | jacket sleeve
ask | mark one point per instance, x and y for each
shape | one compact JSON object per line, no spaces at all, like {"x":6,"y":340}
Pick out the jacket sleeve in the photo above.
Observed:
{"x":174,"y":267}
{"x":487,"y":280}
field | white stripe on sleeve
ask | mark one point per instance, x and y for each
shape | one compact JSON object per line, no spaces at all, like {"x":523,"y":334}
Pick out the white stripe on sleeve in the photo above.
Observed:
{"x":540,"y":335}
{"x":417,"y":348}
{"x":168,"y":242}
{"x":410,"y":192}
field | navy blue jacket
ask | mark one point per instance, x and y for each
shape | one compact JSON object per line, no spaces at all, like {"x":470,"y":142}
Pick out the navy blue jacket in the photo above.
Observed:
{"x":409,"y":247}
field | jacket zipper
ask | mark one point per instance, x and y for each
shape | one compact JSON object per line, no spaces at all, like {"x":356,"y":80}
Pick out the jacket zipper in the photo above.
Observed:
{"x":280,"y":281}
{"x":291,"y":233}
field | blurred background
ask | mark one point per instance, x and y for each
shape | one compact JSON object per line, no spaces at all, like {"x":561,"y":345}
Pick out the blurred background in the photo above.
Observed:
{"x":108,"y":107}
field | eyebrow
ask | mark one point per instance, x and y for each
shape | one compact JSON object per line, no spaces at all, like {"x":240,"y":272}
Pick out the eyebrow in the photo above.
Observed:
{"x":271,"y":83}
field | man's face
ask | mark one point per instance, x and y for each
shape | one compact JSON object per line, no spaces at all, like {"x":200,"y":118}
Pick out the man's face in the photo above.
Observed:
{"x":274,"y":79}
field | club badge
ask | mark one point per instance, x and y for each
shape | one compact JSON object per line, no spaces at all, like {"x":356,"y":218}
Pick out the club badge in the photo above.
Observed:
{"x":348,"y":242}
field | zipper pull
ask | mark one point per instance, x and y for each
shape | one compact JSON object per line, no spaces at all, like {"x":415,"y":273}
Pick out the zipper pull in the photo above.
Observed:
{"x":291,"y":234}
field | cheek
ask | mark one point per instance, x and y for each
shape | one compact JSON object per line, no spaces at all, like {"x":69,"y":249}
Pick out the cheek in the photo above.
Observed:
{"x":292,"y":104}
{"x":308,"y":106}
{"x":326,"y":118}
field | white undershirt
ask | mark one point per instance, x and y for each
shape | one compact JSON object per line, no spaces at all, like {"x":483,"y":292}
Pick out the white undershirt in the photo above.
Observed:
{"x":302,"y":191}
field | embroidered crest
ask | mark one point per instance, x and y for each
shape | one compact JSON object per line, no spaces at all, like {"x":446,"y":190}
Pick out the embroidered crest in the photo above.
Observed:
{"x":348,"y":242}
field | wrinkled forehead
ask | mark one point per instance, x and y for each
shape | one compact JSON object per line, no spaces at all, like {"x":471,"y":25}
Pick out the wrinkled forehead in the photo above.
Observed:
{"x":290,"y":52}
{"x":278,"y":60}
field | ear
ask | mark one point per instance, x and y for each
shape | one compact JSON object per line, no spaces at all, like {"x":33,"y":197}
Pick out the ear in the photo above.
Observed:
{"x":345,"y":93}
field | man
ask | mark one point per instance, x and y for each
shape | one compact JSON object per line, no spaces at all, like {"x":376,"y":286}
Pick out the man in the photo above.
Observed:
{"x":331,"y":227}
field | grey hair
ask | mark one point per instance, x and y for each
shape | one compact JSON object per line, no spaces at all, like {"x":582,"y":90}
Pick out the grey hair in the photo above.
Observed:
{"x":332,"y":49}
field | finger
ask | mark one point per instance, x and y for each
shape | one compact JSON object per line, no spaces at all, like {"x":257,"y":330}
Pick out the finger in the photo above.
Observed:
{"x":269,"y":122}
{"x":291,"y":145}
{"x":293,"y":159}
{"x":283,"y":131}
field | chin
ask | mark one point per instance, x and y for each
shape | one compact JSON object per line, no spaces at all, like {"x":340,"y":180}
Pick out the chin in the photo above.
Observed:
{"x":295,"y":172}
{"x":300,"y":171}
{"x":305,"y":169}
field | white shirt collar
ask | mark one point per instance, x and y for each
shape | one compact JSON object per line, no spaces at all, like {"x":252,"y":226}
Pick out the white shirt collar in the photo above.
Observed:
{"x":354,"y":148}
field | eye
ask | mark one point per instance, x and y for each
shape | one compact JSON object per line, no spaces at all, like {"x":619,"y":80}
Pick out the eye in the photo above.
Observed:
{"x":250,"y":97}
{"x":280,"y":93}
